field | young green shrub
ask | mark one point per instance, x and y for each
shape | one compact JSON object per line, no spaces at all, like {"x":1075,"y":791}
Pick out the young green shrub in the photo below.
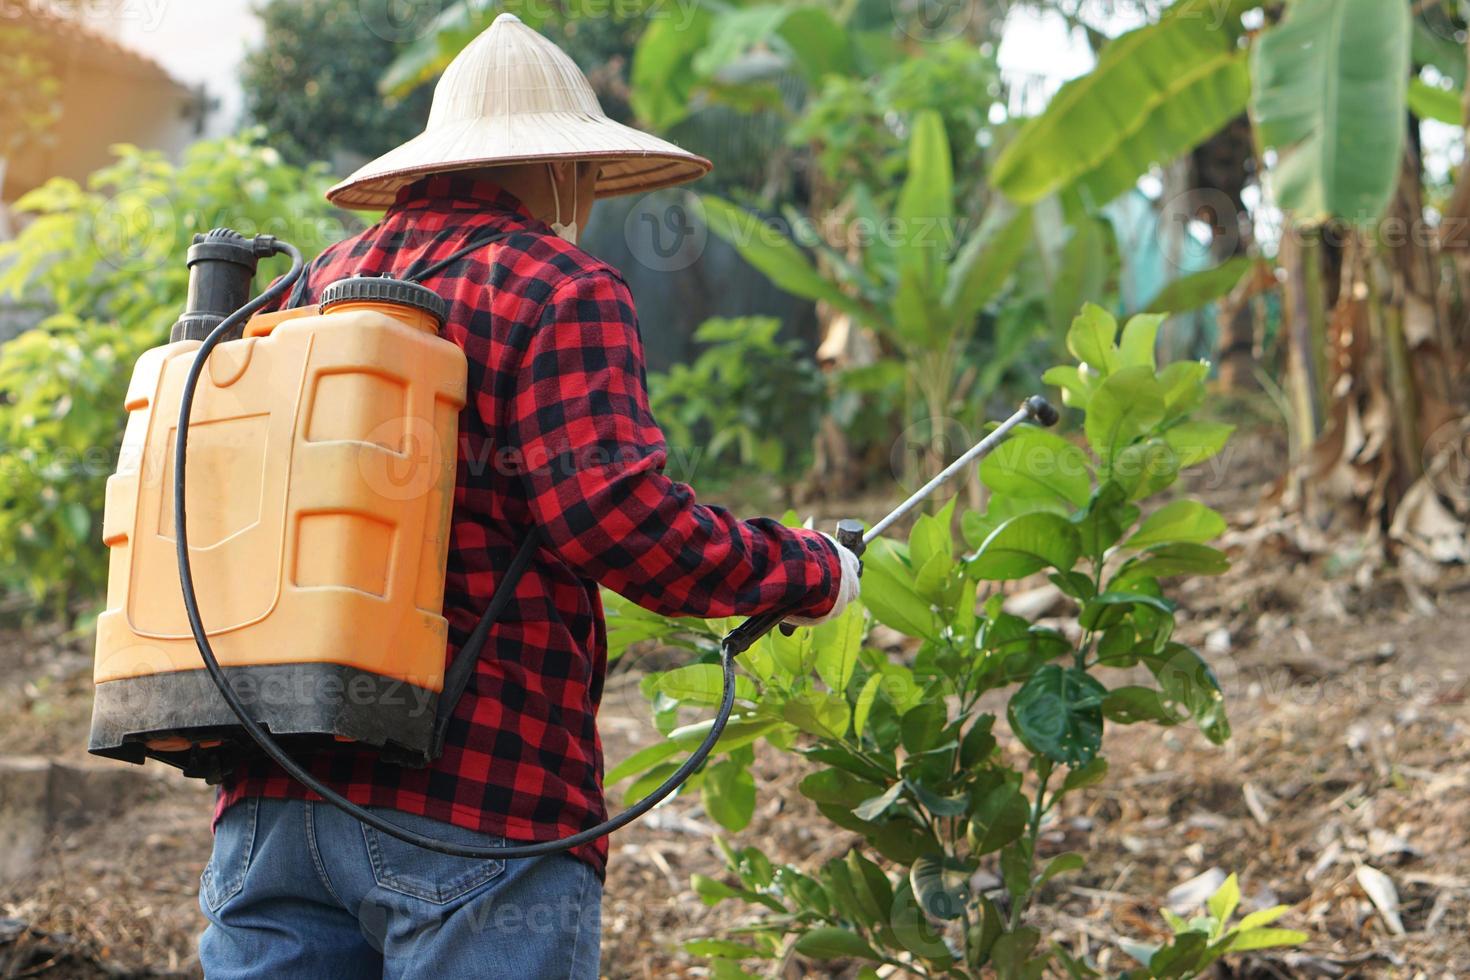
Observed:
{"x":904,"y":754}
{"x":102,"y":266}
{"x":749,"y":400}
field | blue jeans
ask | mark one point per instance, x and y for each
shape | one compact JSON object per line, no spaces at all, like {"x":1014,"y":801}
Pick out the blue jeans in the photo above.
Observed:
{"x":301,"y":890}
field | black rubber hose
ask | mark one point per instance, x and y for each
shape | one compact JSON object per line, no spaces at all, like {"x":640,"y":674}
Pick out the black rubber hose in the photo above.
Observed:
{"x":269,"y":745}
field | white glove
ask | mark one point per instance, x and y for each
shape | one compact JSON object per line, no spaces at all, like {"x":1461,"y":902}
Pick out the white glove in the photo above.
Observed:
{"x":847,"y":590}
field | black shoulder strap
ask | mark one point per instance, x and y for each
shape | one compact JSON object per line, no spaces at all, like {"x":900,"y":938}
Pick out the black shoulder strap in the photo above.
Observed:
{"x":457,"y":676}
{"x":475,"y":242}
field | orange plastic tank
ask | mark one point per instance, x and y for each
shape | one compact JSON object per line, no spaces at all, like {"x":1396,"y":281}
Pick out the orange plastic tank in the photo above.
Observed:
{"x":321,"y":468}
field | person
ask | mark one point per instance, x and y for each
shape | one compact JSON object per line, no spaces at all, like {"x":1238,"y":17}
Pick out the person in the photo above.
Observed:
{"x":557,"y":444}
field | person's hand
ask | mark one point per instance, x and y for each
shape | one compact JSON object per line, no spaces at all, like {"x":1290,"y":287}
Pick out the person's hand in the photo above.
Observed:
{"x":847,"y":589}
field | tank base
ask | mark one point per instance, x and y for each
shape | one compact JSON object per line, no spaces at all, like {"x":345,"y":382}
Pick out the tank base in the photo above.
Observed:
{"x":181,"y":719}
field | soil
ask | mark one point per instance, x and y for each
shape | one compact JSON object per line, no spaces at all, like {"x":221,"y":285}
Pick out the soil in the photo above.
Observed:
{"x":1347,"y":688}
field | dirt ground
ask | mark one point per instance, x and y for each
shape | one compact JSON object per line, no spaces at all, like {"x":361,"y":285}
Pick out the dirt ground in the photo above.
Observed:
{"x":1347,"y":688}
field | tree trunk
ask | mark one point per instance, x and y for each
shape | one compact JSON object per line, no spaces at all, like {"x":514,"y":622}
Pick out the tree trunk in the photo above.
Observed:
{"x":1222,"y":169}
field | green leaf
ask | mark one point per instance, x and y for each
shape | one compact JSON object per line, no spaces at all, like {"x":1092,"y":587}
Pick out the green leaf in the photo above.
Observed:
{"x":1011,"y":953}
{"x":1155,"y":93}
{"x":662,"y":75}
{"x":871,"y":810}
{"x":1195,"y":442}
{"x":1249,"y":939}
{"x":871,"y":886}
{"x":1131,"y":705}
{"x":701,"y":684}
{"x":926,"y":200}
{"x":1107,"y":516}
{"x":1198,"y":289}
{"x":1037,"y":463}
{"x":1061,"y":864}
{"x":1330,"y":89}
{"x":1125,"y":407}
{"x":640,"y":761}
{"x":832,"y":943}
{"x":712,"y":892}
{"x":1223,"y":903}
{"x":1000,"y":818}
{"x":1144,"y":468}
{"x":1173,"y":559}
{"x":1091,"y":339}
{"x":649,"y":781}
{"x":889,"y":595}
{"x":1076,"y":390}
{"x":1027,"y":544}
{"x":922,"y":725}
{"x":985,"y":262}
{"x":1181,"y":958}
{"x":1187,"y":679}
{"x":1180,"y":521}
{"x":1183,"y":386}
{"x":838,"y":788}
{"x":728,"y":794}
{"x":1139,"y":337}
{"x":820,"y":43}
{"x":1082,"y":777}
{"x":1262,"y":917}
{"x":818,"y":713}
{"x":912,"y":927}
{"x":775,"y":255}
{"x":864,"y":703}
{"x":941,"y":886}
{"x":837,"y":642}
{"x":1058,"y":713}
{"x":931,"y":537}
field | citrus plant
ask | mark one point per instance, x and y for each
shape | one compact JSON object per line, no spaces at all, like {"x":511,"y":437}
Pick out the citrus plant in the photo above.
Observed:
{"x":952,"y":760}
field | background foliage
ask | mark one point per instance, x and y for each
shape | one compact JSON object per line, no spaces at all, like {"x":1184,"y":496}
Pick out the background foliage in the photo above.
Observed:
{"x":105,"y":262}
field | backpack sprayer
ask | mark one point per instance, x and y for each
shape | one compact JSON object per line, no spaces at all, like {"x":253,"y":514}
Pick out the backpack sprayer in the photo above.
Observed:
{"x":321,"y":448}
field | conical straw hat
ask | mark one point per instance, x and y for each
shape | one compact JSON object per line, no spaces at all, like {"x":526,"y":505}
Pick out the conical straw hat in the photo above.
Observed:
{"x":513,"y":97}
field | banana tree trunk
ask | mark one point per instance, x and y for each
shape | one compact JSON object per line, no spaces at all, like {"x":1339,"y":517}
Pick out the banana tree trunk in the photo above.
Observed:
{"x":1221,"y":170}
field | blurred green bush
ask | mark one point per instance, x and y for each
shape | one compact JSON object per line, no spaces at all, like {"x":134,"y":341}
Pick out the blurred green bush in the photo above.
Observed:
{"x":103,"y":264}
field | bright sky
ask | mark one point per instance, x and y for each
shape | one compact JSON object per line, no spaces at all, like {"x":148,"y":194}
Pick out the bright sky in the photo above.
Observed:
{"x":199,"y":42}
{"x":204,"y":42}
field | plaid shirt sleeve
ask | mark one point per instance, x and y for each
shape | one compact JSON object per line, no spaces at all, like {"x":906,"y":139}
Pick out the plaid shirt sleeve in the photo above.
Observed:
{"x":592,"y":459}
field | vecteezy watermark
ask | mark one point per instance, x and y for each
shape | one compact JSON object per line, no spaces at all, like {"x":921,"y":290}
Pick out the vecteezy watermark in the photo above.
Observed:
{"x":401,"y":21}
{"x":146,"y":14}
{"x":933,"y":21}
{"x":666,"y":230}
{"x":1196,"y":224}
{"x":406,"y":21}
{"x":1439,"y":18}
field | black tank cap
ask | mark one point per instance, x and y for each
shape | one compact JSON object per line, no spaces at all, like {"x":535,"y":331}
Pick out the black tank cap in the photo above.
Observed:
{"x":382,"y":289}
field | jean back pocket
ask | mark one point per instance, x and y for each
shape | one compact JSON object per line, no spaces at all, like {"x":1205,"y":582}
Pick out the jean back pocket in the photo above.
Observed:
{"x":420,"y":873}
{"x":229,"y":862}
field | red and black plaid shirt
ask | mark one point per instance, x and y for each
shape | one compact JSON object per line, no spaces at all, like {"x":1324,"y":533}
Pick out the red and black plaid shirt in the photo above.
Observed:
{"x":557,"y":435}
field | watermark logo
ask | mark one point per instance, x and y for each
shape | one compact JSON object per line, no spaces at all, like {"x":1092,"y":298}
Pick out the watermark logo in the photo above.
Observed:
{"x":666,"y":230}
{"x":1196,"y":224}
{"x":933,"y":21}
{"x":136,"y":228}
{"x":405,"y":459}
{"x":400,"y":21}
{"x":147,"y":14}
